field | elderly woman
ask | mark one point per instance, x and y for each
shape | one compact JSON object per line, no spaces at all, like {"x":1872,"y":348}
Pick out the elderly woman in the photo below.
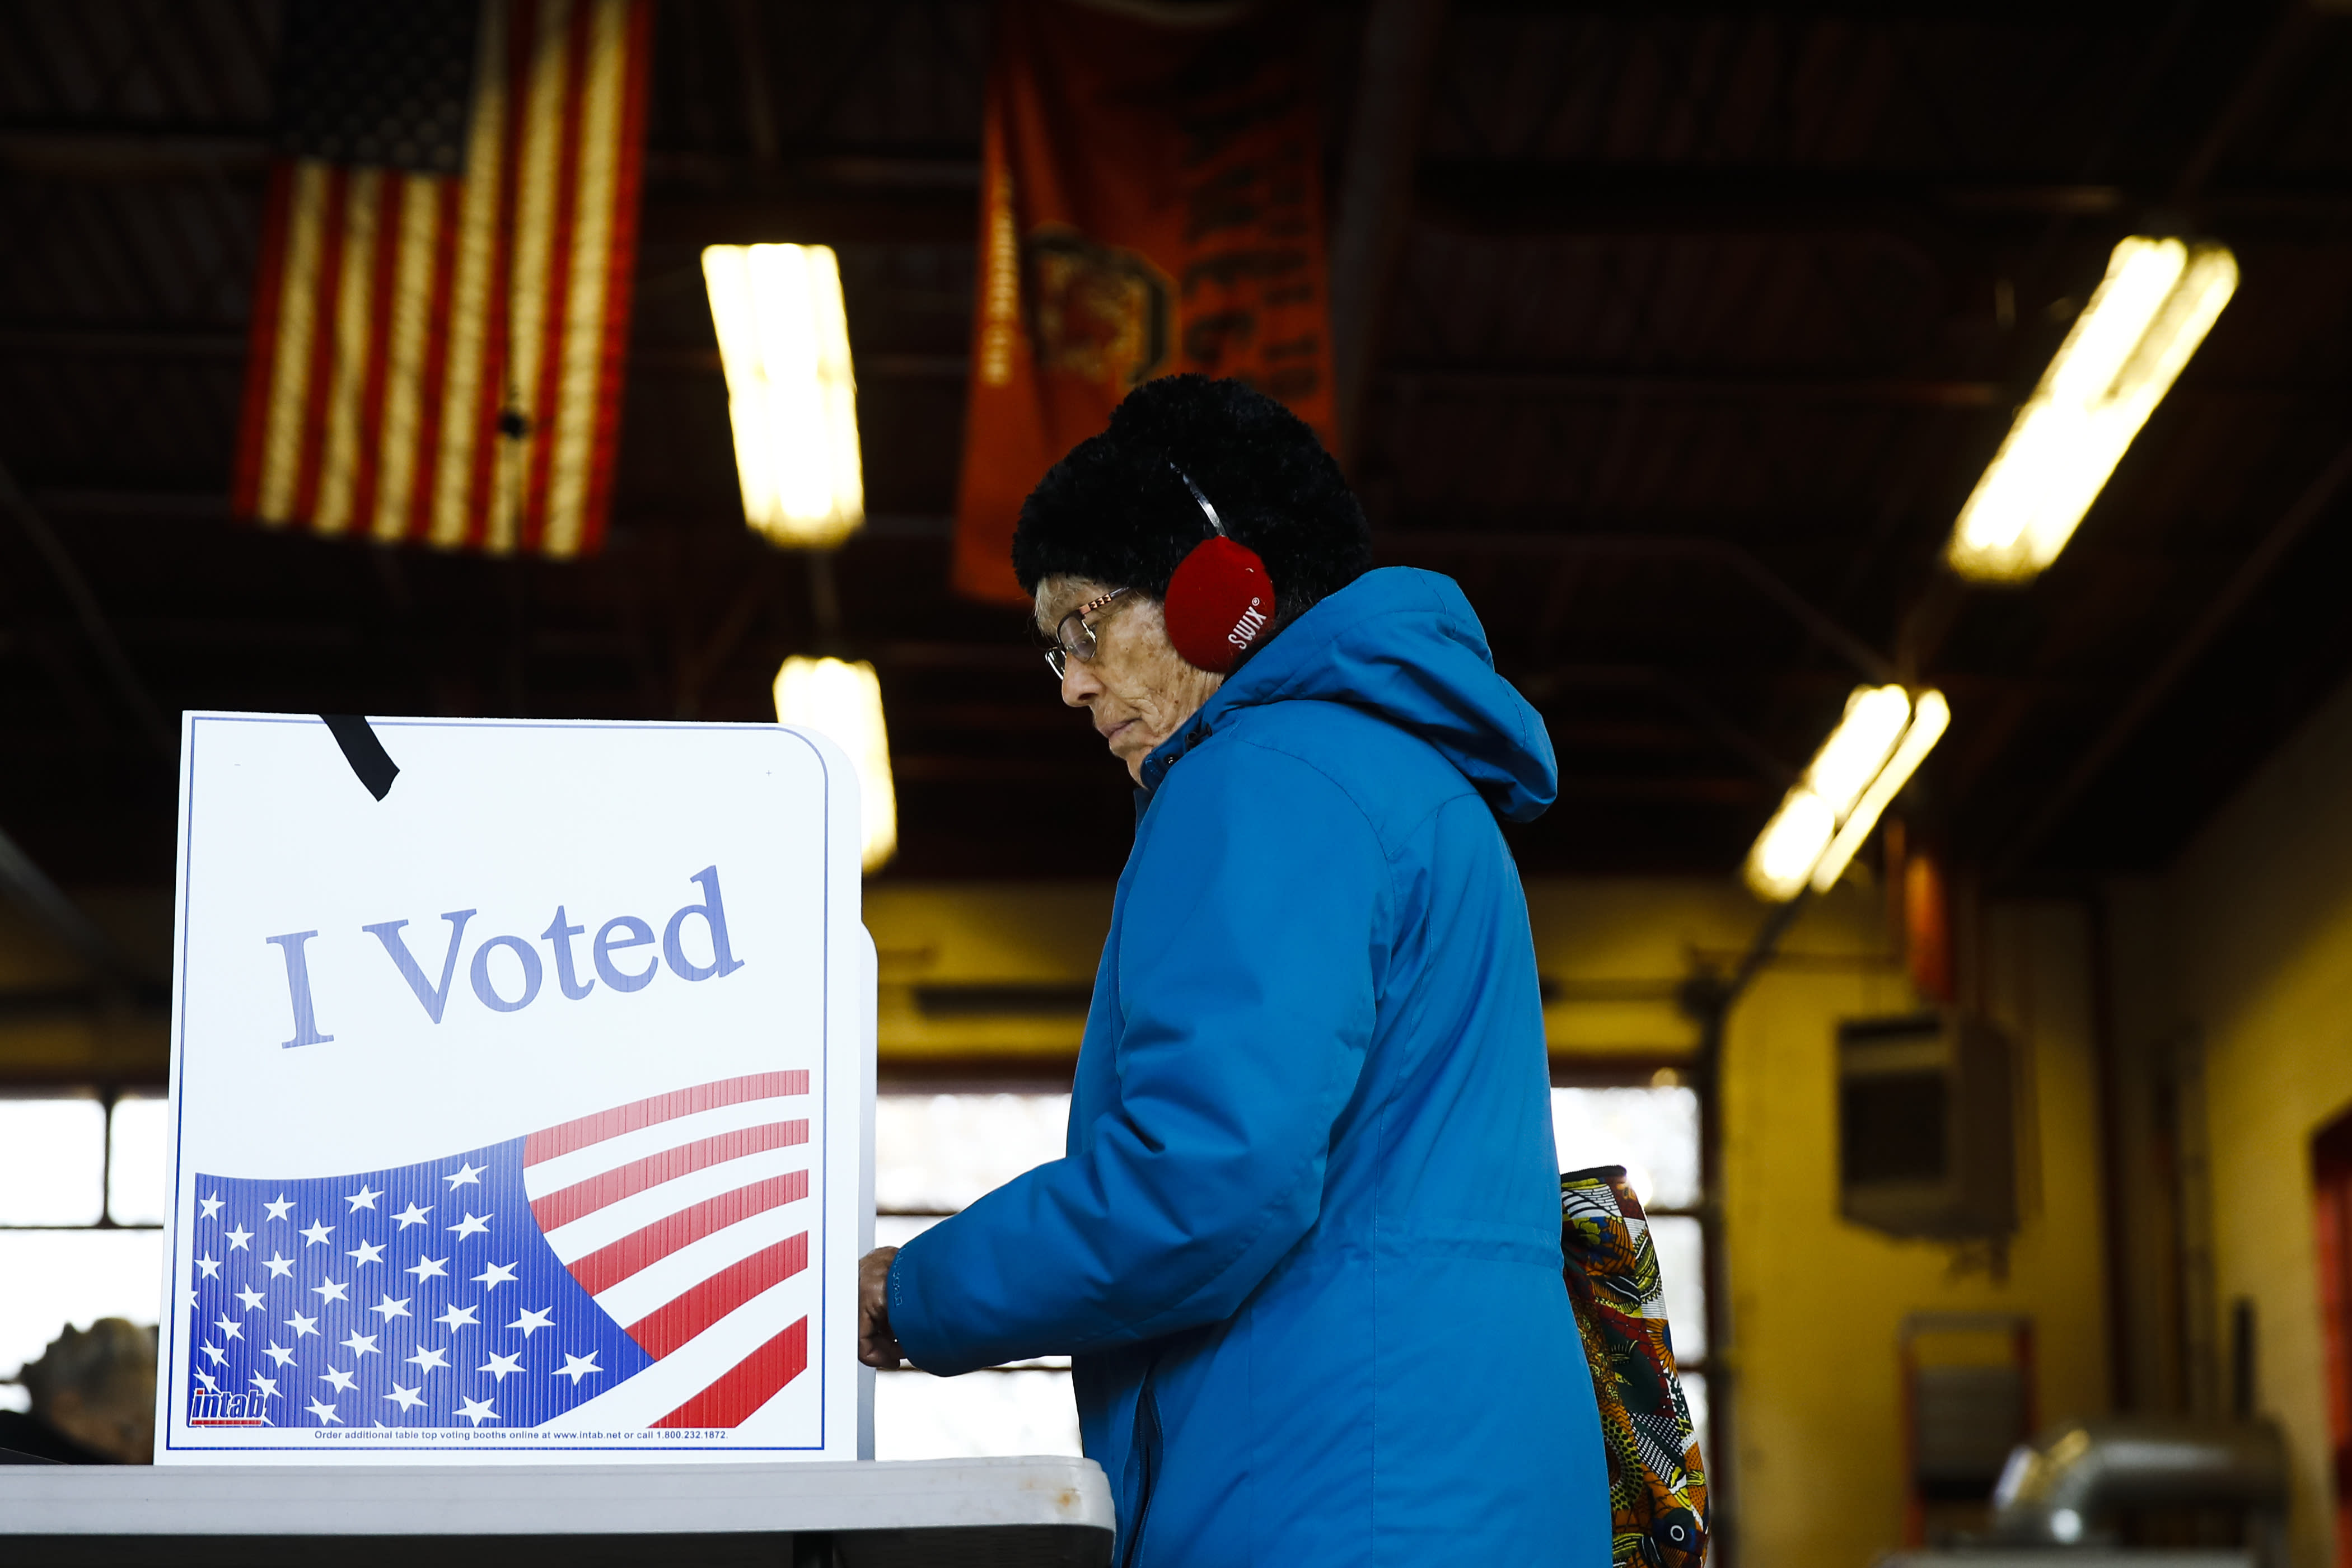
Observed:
{"x":1304,"y":1248}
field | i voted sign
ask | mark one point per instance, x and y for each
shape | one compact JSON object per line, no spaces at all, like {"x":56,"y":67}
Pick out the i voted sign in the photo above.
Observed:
{"x":521,"y":1108}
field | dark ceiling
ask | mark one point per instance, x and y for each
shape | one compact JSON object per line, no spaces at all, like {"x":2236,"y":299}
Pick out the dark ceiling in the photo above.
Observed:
{"x":1705,"y":320}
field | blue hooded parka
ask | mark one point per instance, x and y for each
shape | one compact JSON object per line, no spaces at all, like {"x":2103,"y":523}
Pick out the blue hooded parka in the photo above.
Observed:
{"x":1304,"y":1248}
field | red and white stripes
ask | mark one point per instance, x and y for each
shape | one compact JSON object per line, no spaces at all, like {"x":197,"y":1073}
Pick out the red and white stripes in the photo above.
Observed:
{"x":439,"y":361}
{"x":685,"y":1216}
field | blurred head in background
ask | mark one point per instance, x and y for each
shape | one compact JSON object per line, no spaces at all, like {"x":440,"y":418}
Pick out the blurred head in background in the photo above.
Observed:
{"x":97,"y":1386}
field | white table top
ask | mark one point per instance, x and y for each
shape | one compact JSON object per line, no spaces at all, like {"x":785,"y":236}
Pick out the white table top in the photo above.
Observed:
{"x":550,"y":1500}
{"x":2072,"y":1557}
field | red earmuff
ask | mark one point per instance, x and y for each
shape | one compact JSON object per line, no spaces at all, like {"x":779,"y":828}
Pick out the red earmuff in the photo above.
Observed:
{"x":1220,"y":599}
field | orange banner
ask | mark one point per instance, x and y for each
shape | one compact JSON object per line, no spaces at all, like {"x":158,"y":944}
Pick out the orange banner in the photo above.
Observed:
{"x":1151,"y":203}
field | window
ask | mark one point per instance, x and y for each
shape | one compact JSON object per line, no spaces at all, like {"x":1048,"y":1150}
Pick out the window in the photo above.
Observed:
{"x":1653,"y":1132}
{"x":934,"y":1153}
{"x":83,"y":1190}
{"x":937,"y":1151}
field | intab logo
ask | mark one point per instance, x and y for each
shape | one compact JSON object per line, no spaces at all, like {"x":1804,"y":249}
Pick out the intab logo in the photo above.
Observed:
{"x":206,"y":1409}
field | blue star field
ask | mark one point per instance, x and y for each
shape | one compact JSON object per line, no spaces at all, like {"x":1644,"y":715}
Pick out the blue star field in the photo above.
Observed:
{"x":420,"y":1296}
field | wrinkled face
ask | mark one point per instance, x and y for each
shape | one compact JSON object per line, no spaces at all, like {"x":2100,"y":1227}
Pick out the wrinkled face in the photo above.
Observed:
{"x":1136,"y":688}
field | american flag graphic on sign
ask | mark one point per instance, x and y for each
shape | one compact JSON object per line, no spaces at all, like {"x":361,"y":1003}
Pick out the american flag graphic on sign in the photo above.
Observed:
{"x":443,"y":304}
{"x":647,"y":1258}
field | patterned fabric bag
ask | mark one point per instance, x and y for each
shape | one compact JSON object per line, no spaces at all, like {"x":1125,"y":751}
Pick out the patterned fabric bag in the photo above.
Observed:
{"x":1657,"y":1489}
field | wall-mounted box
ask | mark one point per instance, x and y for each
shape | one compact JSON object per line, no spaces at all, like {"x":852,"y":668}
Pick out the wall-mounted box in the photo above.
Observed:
{"x":1927,"y":1140}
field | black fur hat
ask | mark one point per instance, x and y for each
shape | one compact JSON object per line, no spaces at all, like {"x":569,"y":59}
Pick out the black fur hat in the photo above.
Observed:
{"x":1114,"y":510}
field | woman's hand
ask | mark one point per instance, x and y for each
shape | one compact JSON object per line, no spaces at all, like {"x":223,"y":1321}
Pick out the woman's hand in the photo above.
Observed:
{"x":877,"y":1346}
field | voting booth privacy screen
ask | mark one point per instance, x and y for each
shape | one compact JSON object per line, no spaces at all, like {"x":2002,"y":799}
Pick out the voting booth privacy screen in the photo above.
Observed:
{"x":523,"y":1113}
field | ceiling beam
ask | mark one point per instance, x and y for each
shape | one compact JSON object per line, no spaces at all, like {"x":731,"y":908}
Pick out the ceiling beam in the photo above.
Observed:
{"x":1412,"y":382}
{"x":1402,"y":383}
{"x":132,"y":150}
{"x":930,"y":195}
{"x":29,"y":887}
{"x":33,"y":525}
{"x":2289,"y":39}
{"x":1719,"y":553}
{"x":2314,"y":502}
{"x":1537,"y":199}
{"x":1374,"y":204}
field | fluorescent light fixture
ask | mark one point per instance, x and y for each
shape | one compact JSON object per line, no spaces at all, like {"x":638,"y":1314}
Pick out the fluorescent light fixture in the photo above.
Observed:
{"x":1790,"y":845}
{"x":2159,"y":298}
{"x":844,"y":701}
{"x":1931,"y":716}
{"x":785,"y":342}
{"x":1866,"y":760}
{"x":1858,"y":748}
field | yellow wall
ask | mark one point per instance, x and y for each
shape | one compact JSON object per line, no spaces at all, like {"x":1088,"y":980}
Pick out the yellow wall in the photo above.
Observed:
{"x":1817,"y":1301}
{"x":2262,"y":926}
{"x":983,"y":934}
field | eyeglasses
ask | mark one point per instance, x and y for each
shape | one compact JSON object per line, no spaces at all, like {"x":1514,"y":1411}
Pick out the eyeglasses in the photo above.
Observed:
{"x":1078,"y":644}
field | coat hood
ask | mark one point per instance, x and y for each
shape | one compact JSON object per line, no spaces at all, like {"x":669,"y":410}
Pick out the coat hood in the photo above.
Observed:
{"x":1404,"y":645}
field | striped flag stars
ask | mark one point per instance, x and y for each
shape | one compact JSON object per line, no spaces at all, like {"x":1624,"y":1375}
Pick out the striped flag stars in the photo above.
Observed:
{"x":437,"y":348}
{"x":211,"y":1206}
{"x":678,"y":1214}
{"x":325,"y":1413}
{"x":228,"y":1326}
{"x":237,"y":1239}
{"x":659,"y":1253}
{"x":279,"y":1206}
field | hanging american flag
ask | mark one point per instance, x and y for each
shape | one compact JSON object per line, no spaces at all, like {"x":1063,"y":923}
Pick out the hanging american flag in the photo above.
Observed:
{"x":642,"y":1268}
{"x":443,"y":305}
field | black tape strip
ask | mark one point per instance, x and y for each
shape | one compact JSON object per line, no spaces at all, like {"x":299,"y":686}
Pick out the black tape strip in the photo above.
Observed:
{"x":363,"y":751}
